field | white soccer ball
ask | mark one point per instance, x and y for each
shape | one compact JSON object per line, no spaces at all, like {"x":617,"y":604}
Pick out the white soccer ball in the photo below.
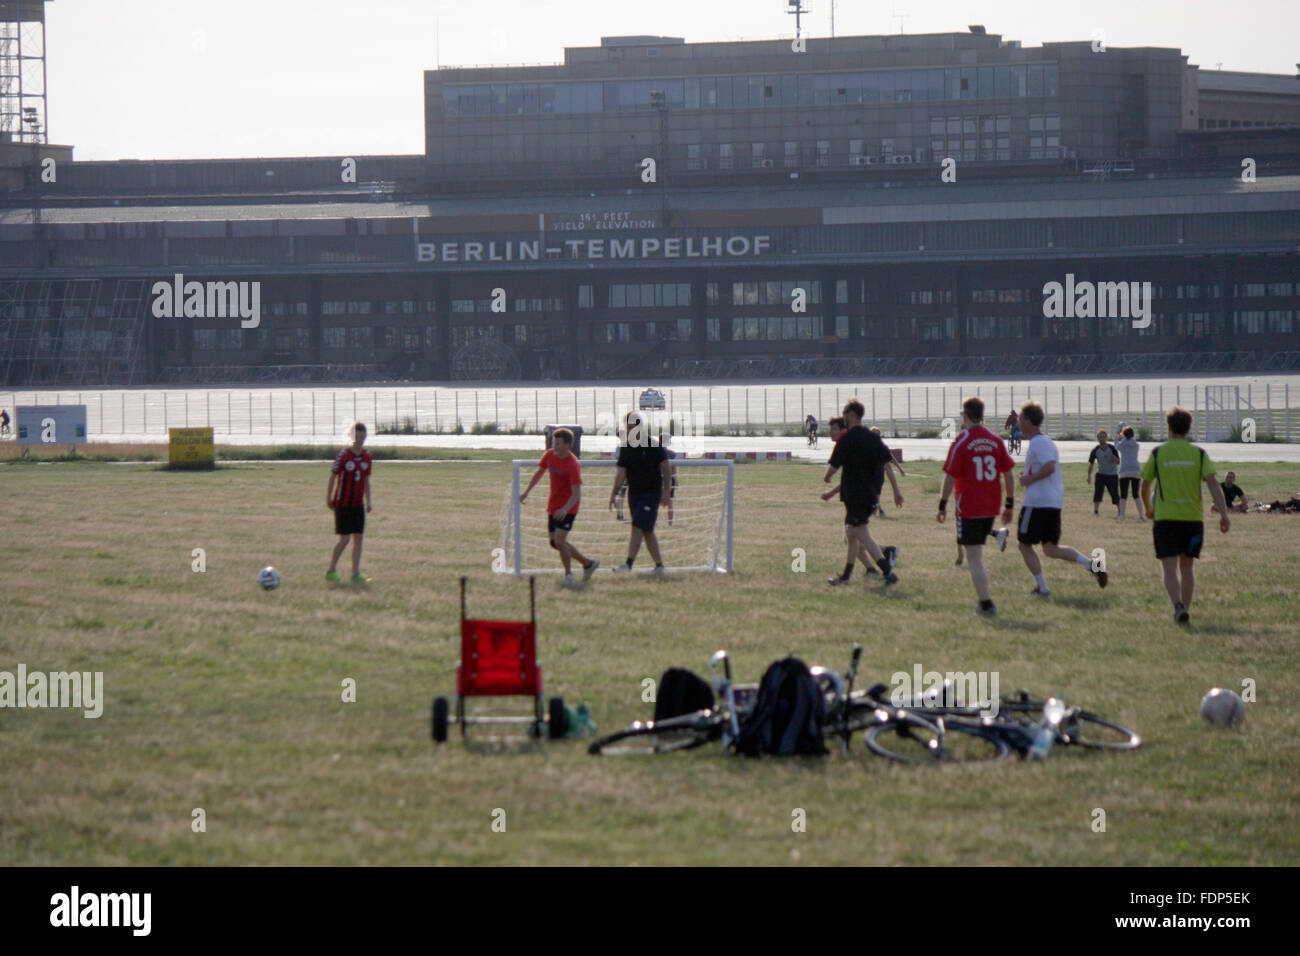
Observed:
{"x":1222,"y":707}
{"x":268,"y":578}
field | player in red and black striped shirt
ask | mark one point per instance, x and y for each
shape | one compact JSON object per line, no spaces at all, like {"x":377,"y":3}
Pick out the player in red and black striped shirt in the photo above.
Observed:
{"x":348,"y":491}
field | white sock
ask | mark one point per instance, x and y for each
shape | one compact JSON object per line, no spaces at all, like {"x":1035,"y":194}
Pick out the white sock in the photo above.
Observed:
{"x":1041,"y":582}
{"x":1084,"y":560}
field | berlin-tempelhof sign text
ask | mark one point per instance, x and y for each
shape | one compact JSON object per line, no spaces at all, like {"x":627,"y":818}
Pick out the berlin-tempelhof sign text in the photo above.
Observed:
{"x":525,"y":250}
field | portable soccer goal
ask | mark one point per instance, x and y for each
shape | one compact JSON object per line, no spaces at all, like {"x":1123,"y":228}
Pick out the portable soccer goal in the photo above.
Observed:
{"x":699,"y":537}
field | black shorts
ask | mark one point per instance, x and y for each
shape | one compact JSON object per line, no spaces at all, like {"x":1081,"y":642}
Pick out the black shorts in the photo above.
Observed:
{"x":1039,"y":526}
{"x":1129,"y":484}
{"x":350,"y":520}
{"x":645,"y":510}
{"x":1175,"y":538}
{"x":554,"y":524}
{"x":1105,"y":483}
{"x":973,"y":531}
{"x":858,"y":512}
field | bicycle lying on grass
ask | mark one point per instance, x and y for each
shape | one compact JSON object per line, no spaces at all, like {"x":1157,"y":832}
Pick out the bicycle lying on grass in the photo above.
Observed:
{"x":1023,"y":723}
{"x":923,"y":730}
{"x":721,"y":722}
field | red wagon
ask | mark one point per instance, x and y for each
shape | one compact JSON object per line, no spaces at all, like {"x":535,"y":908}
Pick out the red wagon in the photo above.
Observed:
{"x":499,"y":659}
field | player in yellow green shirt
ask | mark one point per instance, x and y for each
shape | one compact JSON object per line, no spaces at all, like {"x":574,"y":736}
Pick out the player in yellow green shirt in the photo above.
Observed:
{"x":1173,"y":476}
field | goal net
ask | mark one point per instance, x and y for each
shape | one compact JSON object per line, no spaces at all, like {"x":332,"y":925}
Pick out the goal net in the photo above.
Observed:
{"x":697,"y":539}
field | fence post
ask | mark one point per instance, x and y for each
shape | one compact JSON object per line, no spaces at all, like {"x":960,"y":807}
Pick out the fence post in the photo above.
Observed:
{"x":516,"y":407}
{"x":293,"y":415}
{"x":374,"y":409}
{"x":313,"y":414}
{"x":144,"y":407}
{"x":208,"y":401}
{"x":123,"y":430}
{"x":250,"y":413}
{"x":1286,"y":397}
{"x":437,"y":425}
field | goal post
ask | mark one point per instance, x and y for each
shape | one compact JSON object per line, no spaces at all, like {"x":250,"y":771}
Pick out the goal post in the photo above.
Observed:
{"x":699,"y":537}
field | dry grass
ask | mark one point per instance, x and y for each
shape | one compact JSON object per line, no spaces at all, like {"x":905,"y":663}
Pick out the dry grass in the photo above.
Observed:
{"x":224,"y":697}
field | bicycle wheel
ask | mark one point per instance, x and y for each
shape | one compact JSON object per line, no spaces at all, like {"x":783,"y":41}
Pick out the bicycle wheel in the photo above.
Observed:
{"x":1080,"y":729}
{"x":1097,"y":733}
{"x":665,"y":736}
{"x":920,"y":742}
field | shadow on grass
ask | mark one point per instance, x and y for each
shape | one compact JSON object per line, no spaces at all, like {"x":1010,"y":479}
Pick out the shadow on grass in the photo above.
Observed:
{"x":1010,"y":624}
{"x":1090,"y":603}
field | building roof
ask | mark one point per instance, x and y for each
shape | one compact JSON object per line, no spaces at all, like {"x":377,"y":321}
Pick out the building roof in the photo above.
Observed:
{"x":1230,"y":81}
{"x":828,"y":205}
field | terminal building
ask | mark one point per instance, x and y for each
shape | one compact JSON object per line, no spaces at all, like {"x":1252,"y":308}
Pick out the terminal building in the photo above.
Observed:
{"x":883,"y":205}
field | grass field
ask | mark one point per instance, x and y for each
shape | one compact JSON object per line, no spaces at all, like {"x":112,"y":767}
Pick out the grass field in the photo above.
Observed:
{"x":222,"y":697}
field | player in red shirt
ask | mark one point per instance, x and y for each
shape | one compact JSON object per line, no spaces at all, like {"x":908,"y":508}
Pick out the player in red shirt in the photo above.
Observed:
{"x":977,"y":461}
{"x":562,"y":505}
{"x":348,"y":490}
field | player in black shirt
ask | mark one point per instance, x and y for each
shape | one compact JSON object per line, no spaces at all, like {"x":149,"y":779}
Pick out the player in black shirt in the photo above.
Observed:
{"x":862,"y":456}
{"x":643,"y":466}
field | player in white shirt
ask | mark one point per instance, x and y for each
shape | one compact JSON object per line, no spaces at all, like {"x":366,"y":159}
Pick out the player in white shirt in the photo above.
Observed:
{"x":1040,"y":512}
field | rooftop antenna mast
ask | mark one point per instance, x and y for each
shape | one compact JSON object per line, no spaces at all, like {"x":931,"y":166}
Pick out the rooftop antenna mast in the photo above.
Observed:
{"x":900,"y":17}
{"x":23,"y":107}
{"x":797,"y":10}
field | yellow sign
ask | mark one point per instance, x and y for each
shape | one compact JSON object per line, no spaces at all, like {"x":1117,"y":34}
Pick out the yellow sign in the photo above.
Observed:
{"x":190,"y":448}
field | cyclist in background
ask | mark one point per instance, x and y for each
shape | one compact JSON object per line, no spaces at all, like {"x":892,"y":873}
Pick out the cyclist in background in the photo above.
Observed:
{"x":1013,"y":430}
{"x":811,"y":424}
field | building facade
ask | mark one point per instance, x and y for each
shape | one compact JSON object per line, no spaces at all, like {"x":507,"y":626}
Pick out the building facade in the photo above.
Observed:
{"x":877,"y":205}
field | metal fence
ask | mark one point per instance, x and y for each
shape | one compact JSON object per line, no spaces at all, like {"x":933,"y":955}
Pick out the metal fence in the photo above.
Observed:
{"x":901,"y":410}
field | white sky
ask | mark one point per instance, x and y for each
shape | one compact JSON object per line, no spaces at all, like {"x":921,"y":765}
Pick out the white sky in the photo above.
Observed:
{"x":155,"y":79}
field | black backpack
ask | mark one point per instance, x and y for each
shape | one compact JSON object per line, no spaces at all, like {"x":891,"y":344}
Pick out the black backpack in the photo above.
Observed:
{"x":681,"y":692}
{"x":789,"y":713}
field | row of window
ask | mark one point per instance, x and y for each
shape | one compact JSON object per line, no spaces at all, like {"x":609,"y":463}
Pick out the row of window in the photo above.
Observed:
{"x":747,"y":92}
{"x":737,"y":329}
{"x":673,"y":329}
{"x":773,"y":328}
{"x":775,"y":292}
{"x":536,"y":304}
{"x":649,"y":294}
{"x":1225,"y":124}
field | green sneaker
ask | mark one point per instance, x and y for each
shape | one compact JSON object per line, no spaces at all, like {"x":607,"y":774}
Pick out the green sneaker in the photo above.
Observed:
{"x":360,"y":578}
{"x":332,"y":577}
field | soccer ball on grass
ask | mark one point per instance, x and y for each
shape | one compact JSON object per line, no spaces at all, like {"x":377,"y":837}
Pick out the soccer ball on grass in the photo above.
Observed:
{"x":1222,"y":707}
{"x":268,"y":578}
